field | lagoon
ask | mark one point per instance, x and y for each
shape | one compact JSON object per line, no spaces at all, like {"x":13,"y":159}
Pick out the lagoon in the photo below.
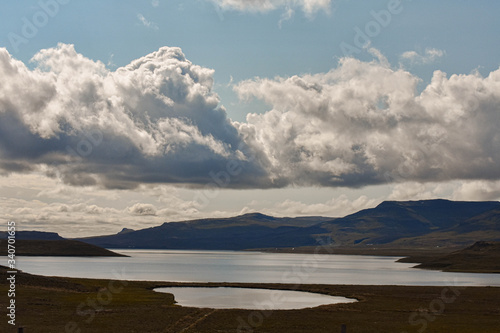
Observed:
{"x":249,"y":267}
{"x":249,"y":298}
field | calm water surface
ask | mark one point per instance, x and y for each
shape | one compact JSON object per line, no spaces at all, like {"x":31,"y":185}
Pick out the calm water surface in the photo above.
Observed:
{"x":250,"y":267}
{"x":249,"y":298}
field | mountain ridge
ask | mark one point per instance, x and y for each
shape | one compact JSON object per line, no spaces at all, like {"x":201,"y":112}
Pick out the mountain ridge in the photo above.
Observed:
{"x":425,"y":223}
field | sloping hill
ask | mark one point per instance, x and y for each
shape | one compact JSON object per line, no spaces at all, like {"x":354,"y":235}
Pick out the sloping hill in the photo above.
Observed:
{"x":488,"y":222}
{"x":242,"y":232}
{"x":59,"y":247}
{"x":482,"y":257}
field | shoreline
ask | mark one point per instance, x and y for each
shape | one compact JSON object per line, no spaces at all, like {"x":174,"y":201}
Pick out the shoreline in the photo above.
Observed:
{"x":481,"y":257}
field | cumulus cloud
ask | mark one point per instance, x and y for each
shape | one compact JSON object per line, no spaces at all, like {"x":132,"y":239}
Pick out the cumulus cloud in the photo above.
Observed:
{"x":142,"y":209}
{"x":364,"y":123}
{"x":429,"y":56}
{"x":155,"y":120}
{"x":309,"y":7}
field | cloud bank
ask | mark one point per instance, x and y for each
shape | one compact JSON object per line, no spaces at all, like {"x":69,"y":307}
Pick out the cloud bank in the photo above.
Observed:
{"x":158,"y":121}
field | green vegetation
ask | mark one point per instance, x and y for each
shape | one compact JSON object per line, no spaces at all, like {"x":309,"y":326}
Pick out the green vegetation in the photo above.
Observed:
{"x":48,"y":304}
{"x":69,"y":248}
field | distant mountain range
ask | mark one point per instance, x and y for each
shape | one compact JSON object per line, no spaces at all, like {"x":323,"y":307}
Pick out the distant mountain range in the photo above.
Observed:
{"x":247,"y":231}
{"x":409,"y":224}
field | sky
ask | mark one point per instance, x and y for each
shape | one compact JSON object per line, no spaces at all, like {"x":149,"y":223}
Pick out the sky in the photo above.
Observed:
{"x":127,"y":114}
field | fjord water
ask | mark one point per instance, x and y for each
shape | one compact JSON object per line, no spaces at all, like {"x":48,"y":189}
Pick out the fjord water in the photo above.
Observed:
{"x":249,"y":267}
{"x":250,"y":298}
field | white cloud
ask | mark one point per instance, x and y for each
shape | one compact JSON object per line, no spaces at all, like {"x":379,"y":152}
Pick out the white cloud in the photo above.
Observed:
{"x":155,"y":120}
{"x":429,"y":56}
{"x":479,"y":190}
{"x":142,"y":209}
{"x":147,"y":23}
{"x":287,"y":15}
{"x":363,"y":123}
{"x":335,"y":207}
{"x":155,"y":3}
{"x":309,"y":7}
{"x":420,"y":191}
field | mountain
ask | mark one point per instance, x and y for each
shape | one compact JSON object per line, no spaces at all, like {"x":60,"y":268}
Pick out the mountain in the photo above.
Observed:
{"x":418,"y":223}
{"x":425,"y":223}
{"x":247,"y":231}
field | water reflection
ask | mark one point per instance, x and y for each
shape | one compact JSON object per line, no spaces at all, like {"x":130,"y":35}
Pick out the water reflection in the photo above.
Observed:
{"x":250,"y":267}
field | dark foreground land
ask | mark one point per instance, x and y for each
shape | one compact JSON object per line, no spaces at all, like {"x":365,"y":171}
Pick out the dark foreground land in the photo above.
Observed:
{"x":47,"y":304}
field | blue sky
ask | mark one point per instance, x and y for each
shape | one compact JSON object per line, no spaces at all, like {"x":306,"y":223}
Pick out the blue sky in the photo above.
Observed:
{"x":249,"y":44}
{"x":243,"y":45}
